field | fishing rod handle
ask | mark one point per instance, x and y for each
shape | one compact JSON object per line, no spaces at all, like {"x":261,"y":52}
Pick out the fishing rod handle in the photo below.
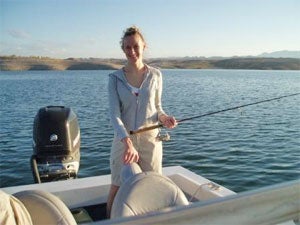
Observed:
{"x":146,"y":129}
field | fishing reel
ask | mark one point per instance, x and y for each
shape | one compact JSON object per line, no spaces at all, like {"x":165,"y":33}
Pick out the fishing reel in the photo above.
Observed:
{"x":163,"y":136}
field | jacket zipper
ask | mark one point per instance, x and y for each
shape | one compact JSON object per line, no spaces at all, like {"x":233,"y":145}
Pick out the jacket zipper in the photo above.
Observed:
{"x":136,"y":110}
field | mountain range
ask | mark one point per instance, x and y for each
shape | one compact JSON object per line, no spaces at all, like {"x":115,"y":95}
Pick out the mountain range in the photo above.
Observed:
{"x":280,"y":60}
{"x":281,"y":54}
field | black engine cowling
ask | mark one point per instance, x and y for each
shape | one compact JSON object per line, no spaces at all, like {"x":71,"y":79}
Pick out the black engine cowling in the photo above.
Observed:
{"x":56,"y":144}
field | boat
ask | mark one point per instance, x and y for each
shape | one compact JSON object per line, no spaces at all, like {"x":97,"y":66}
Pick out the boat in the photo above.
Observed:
{"x":178,"y":196}
{"x":209,"y":203}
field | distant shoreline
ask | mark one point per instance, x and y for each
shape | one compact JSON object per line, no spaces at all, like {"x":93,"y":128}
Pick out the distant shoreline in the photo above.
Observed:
{"x":19,"y":63}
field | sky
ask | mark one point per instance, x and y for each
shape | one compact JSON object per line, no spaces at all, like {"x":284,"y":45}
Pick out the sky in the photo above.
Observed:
{"x":172,"y":28}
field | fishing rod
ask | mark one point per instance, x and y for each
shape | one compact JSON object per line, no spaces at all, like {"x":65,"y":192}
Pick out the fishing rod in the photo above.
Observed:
{"x":212,"y":113}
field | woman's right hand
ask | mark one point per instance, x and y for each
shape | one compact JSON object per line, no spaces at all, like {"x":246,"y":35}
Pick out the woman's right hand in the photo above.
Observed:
{"x":168,"y":121}
{"x":131,"y":155}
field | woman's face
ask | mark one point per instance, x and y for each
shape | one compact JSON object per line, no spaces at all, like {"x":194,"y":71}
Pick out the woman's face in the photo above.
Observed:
{"x":133,"y":47}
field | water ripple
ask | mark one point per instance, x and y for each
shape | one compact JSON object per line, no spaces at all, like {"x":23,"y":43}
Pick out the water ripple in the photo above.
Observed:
{"x":241,"y":149}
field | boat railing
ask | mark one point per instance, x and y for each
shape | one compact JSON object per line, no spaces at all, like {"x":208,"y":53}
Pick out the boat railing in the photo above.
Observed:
{"x":270,"y":205}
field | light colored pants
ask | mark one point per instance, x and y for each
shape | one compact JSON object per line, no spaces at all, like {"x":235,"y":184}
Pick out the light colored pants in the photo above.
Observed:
{"x":149,"y":149}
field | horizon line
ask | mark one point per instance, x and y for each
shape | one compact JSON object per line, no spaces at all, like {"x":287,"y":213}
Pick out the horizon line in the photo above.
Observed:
{"x":296,"y":54}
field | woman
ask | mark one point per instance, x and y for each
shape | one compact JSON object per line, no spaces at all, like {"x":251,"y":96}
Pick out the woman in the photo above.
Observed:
{"x":135,"y":102}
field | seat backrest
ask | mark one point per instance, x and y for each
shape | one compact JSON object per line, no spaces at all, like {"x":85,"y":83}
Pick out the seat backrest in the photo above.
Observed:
{"x":45,"y":208}
{"x":146,"y":192}
{"x":129,"y":170}
{"x":12,"y":211}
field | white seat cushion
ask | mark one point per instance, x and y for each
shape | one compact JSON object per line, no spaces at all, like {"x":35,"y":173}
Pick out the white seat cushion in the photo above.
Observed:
{"x":129,"y":170}
{"x":45,"y":208}
{"x":12,"y":211}
{"x":146,"y":192}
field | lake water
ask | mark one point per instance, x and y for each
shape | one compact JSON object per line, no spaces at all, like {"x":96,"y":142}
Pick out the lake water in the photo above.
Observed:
{"x":241,"y":149}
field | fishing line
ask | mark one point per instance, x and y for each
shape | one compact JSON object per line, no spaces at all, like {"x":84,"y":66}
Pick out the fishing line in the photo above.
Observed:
{"x":212,"y":113}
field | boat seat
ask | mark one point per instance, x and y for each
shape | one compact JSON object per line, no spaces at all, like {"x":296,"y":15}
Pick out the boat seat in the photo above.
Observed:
{"x":12,"y":211}
{"x":129,"y":170}
{"x":45,"y":208}
{"x":146,"y":192}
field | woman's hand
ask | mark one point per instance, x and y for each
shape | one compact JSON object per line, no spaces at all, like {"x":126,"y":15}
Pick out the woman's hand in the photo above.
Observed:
{"x":168,"y":121}
{"x":130,"y":153}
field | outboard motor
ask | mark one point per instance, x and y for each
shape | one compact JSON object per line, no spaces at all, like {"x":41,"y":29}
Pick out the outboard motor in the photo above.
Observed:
{"x":56,"y":144}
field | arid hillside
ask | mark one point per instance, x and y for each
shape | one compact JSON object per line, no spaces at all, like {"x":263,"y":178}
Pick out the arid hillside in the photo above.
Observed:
{"x":15,"y":63}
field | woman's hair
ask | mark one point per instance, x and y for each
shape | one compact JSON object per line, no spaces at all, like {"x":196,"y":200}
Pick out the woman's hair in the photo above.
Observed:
{"x":133,"y":30}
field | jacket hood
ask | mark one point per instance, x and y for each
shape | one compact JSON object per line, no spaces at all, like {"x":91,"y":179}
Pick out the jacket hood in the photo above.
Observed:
{"x":121,"y":75}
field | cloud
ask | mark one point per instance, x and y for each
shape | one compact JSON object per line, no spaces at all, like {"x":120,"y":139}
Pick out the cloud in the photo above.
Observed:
{"x":19,"y":34}
{"x":90,"y":41}
{"x":18,"y":42}
{"x":47,"y":48}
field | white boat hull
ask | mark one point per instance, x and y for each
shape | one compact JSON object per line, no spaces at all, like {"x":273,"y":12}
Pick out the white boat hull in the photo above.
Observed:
{"x":210,"y":202}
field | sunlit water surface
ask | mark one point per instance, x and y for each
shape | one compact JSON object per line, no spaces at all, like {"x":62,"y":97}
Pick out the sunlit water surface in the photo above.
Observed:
{"x":241,"y":149}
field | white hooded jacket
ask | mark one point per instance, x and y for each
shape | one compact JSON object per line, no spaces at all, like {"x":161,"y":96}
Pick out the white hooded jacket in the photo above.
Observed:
{"x":129,"y":111}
